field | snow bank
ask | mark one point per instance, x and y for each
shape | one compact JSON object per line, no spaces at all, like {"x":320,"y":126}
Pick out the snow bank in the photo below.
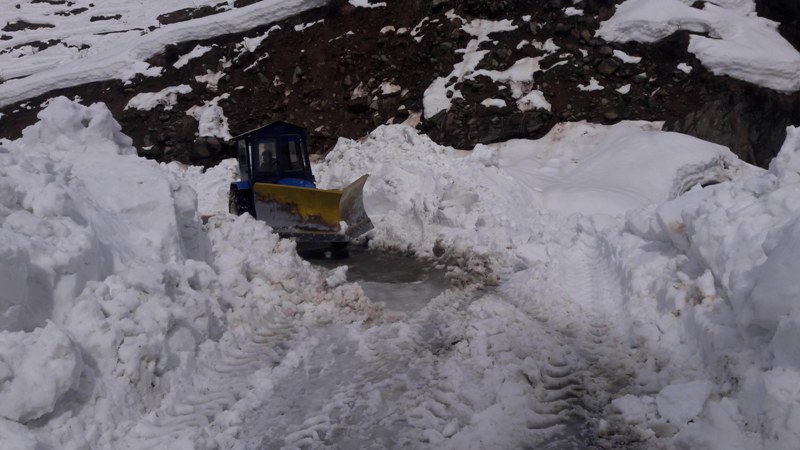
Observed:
{"x":722,"y":261}
{"x":612,"y":222}
{"x":120,"y":309}
{"x":420,"y":192}
{"x":739,"y":44}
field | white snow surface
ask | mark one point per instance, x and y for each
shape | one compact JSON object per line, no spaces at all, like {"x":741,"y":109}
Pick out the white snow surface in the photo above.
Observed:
{"x":117,"y":48}
{"x":137,"y":313}
{"x":737,"y":43}
{"x":211,"y":118}
{"x":593,"y":85}
{"x":167,"y":97}
{"x":197,"y":51}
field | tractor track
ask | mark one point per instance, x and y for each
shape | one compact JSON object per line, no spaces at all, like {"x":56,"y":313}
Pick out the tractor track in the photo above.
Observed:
{"x":219,"y":381}
{"x":544,"y":364}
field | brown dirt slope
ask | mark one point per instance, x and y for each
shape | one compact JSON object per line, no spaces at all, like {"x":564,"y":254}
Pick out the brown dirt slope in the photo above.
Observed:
{"x":328,"y":77}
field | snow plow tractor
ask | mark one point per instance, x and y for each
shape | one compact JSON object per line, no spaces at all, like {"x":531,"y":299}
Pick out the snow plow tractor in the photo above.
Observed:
{"x":277,"y":186}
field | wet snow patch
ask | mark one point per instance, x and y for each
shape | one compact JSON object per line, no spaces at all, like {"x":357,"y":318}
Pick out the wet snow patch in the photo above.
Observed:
{"x":403,"y":283}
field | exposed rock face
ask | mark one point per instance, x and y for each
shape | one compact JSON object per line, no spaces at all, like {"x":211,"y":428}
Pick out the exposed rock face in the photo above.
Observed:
{"x":751,"y":122}
{"x":787,"y":13}
{"x":340,"y":71}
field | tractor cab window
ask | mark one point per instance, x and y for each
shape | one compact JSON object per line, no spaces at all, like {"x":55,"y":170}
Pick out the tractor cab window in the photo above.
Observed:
{"x":295,"y":150}
{"x":267,"y":153}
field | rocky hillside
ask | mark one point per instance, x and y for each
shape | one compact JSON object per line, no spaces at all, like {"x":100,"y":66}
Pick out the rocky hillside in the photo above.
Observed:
{"x":342,"y":70}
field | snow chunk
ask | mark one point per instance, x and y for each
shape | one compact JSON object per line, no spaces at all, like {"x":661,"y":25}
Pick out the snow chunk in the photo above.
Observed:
{"x":366,"y":4}
{"x":211,"y":117}
{"x":533,"y":100}
{"x":167,"y":97}
{"x":786,"y":166}
{"x":776,"y":282}
{"x":481,"y":28}
{"x":251,"y":44}
{"x":67,"y":126}
{"x":626,"y":58}
{"x":740,"y":44}
{"x":388,"y":88}
{"x":337,"y":277}
{"x":494,"y":102}
{"x":485,"y":155}
{"x":196,"y":52}
{"x":549,"y":46}
{"x":624,"y":89}
{"x":571,"y":11}
{"x":635,"y":409}
{"x":304,"y":26}
{"x":211,"y":79}
{"x":685,"y":68}
{"x":593,"y":85}
{"x":681,"y":402}
{"x":36,"y":370}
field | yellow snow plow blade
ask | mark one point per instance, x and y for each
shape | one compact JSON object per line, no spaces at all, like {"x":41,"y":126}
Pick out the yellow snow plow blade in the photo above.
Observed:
{"x":314,"y":214}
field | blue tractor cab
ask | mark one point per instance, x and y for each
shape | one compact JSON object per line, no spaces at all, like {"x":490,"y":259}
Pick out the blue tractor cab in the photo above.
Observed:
{"x":277,"y":186}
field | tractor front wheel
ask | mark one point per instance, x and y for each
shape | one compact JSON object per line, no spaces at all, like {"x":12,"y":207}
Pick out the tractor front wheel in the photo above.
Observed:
{"x":240,"y":202}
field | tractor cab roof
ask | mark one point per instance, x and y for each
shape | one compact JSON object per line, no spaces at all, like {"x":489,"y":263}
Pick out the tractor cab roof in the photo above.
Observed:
{"x":275,"y":153}
{"x":274,"y":129}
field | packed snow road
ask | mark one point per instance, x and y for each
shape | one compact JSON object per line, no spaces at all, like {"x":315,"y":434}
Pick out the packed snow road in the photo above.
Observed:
{"x":428,"y":378}
{"x":593,"y":294}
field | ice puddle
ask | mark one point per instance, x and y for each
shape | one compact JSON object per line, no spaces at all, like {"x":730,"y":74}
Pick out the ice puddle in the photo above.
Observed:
{"x":402,"y":283}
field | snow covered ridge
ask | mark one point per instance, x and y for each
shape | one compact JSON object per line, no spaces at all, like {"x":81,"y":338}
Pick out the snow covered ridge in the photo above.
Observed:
{"x":115,"y":50}
{"x":739,"y":44}
{"x":114,"y":295}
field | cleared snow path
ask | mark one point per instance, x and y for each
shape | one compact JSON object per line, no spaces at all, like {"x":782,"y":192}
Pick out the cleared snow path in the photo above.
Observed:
{"x":438,"y":376}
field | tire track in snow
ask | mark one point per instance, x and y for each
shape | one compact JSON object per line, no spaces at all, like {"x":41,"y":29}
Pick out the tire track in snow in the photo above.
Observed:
{"x":222,"y":378}
{"x":357,"y":388}
{"x":542,"y":377}
{"x":606,"y":365}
